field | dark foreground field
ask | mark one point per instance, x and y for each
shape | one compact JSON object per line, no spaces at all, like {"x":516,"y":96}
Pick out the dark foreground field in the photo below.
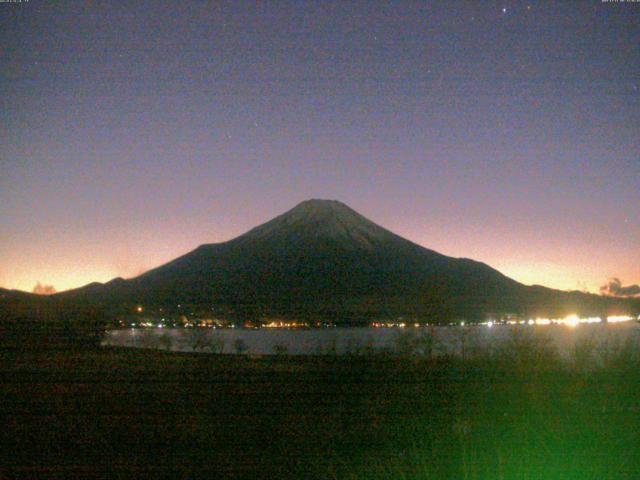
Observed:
{"x":118,"y":413}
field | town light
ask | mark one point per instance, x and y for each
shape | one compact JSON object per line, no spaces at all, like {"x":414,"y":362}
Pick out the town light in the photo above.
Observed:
{"x":571,"y":320}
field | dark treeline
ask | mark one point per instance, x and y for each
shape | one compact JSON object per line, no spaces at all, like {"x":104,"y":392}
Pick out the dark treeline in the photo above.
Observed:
{"x":49,"y":323}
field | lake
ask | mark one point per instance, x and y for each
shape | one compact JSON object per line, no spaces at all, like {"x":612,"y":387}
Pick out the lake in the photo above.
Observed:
{"x":447,"y":339}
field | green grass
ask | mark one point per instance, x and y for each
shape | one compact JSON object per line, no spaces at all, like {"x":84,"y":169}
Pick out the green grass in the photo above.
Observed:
{"x":520,"y":413}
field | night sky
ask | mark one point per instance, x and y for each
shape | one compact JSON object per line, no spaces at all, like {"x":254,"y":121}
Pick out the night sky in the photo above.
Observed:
{"x":132,"y":132}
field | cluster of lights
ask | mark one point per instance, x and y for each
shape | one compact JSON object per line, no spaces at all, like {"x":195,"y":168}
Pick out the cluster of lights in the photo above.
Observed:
{"x":620,"y":318}
{"x":207,"y":323}
{"x":570,"y":320}
{"x":145,"y":324}
{"x":394,"y":325}
{"x":283,"y":324}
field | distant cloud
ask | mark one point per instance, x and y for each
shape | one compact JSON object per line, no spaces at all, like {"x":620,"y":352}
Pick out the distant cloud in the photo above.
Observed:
{"x":40,"y":289}
{"x":615,"y":289}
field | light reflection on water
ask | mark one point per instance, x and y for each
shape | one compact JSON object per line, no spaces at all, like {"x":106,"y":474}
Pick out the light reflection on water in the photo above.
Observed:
{"x":447,"y":340}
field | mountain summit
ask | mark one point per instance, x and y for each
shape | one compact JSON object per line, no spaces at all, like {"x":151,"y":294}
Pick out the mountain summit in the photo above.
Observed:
{"x":323,"y":260}
{"x":316,"y":219}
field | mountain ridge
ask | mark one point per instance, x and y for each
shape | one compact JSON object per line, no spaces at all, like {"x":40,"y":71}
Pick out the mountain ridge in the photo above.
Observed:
{"x":322,"y":259}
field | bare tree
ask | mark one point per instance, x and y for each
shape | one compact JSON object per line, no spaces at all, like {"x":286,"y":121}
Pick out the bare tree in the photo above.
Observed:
{"x":280,"y":349}
{"x":462,"y":337}
{"x":240,"y":346}
{"x":427,"y":342}
{"x":202,"y":339}
{"x":406,"y":343}
{"x":165,"y":341}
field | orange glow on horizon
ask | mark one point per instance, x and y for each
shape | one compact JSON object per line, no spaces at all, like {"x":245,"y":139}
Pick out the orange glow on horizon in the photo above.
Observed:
{"x":552,"y":276}
{"x":94,"y":258}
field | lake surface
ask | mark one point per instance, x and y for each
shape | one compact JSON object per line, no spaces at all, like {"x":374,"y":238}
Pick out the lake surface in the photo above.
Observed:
{"x":447,"y":340}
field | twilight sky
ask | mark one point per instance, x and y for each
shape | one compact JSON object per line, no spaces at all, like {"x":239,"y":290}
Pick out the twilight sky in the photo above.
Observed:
{"x":503,"y":131}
